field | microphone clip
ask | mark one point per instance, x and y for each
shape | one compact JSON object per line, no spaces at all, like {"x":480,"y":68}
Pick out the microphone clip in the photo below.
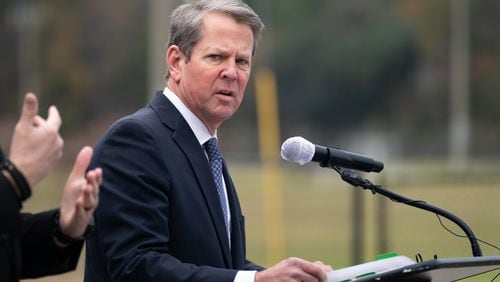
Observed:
{"x":354,"y":179}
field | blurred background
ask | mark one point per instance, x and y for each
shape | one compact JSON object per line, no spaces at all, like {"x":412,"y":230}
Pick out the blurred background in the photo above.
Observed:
{"x":413,"y":83}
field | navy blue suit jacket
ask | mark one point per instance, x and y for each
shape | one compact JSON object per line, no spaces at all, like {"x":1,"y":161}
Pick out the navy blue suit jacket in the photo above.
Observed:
{"x":159,"y":216}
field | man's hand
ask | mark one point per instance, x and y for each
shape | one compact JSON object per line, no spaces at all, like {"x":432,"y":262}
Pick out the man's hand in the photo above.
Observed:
{"x":36,"y":144}
{"x":80,"y":196}
{"x":294,"y":269}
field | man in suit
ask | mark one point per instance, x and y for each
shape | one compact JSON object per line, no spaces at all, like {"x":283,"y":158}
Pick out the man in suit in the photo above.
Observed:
{"x":169,"y":210}
{"x":46,"y":243}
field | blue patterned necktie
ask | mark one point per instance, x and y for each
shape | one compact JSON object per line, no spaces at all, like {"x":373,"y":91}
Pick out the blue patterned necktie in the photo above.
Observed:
{"x":215,"y":158}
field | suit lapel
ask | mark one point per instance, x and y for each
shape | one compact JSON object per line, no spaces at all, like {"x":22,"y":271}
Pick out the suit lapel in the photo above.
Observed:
{"x":186,"y":140}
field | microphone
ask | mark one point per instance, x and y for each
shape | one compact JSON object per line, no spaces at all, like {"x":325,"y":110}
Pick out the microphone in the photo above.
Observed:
{"x":300,"y":150}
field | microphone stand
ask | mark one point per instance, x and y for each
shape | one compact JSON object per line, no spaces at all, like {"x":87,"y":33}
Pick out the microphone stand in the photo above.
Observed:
{"x":356,"y":180}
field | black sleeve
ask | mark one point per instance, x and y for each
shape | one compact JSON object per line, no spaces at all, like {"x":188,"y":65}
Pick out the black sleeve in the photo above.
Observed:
{"x":10,"y":206}
{"x":9,"y":209}
{"x":41,"y":256}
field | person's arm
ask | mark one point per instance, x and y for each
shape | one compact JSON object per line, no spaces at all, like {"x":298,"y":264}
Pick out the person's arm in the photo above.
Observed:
{"x":51,"y":241}
{"x":41,"y":255}
{"x":35,"y":148}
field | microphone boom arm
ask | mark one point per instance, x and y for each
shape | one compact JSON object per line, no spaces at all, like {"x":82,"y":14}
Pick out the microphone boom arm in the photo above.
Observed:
{"x":350,"y":177}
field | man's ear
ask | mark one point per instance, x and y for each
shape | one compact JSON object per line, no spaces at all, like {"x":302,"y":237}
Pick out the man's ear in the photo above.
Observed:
{"x":174,"y":58}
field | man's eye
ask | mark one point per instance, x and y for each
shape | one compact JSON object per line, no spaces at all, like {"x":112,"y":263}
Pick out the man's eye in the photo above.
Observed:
{"x":242,"y":62}
{"x":215,"y":57}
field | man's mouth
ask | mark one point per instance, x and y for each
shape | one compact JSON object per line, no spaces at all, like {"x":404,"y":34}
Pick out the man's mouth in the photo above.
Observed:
{"x":225,"y":92}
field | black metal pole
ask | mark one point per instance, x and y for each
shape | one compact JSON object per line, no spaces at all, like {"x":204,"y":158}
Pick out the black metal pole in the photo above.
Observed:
{"x":382,"y":225}
{"x":358,"y":227}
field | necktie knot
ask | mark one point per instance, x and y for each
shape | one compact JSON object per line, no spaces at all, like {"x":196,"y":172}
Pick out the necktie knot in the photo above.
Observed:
{"x":213,"y":151}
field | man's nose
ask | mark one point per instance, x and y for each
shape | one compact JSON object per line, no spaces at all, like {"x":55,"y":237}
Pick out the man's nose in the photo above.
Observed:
{"x":229,"y":71}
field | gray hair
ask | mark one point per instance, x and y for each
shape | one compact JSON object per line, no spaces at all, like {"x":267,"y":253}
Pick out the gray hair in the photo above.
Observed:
{"x":186,"y":22}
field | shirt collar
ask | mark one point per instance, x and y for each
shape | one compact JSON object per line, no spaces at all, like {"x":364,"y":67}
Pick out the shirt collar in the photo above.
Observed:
{"x":200,"y":130}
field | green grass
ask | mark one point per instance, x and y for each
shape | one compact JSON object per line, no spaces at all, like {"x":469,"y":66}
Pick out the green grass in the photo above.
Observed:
{"x":318,"y":208}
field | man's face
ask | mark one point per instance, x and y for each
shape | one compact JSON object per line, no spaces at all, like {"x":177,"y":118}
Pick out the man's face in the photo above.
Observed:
{"x":213,"y":82}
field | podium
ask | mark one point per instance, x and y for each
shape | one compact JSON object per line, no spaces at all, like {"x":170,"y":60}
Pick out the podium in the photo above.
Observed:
{"x":438,"y":270}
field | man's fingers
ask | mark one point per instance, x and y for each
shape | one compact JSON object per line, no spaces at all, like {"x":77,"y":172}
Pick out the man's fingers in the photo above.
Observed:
{"x":30,"y":117}
{"x":325,"y":267}
{"x":54,"y":118}
{"x":37,"y":121}
{"x":80,"y":210}
{"x":90,"y":198}
{"x":97,"y":182}
{"x":29,"y":110}
{"x":94,"y":177}
{"x":312,"y":269}
{"x":82,"y":162}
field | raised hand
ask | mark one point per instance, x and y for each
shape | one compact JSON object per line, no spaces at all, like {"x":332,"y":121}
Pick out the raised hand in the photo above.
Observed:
{"x":80,"y":196}
{"x":36,"y":145}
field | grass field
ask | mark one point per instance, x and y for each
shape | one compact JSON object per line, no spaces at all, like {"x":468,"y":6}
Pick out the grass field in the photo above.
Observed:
{"x":318,"y":210}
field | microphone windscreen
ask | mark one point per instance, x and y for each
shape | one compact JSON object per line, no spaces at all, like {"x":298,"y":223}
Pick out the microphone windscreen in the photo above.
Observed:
{"x":298,"y":150}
